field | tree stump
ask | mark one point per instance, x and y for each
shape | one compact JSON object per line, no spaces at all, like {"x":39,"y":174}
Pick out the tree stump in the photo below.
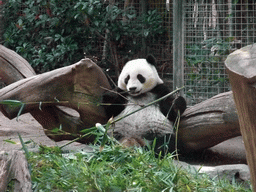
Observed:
{"x":14,"y":167}
{"x":241,"y":66}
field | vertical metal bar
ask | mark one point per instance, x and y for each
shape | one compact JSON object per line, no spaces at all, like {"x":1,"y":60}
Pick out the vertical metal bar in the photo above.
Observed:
{"x":178,"y":44}
{"x":144,"y":11}
{"x":230,"y":18}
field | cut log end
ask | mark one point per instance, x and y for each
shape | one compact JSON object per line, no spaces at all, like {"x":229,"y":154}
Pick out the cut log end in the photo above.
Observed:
{"x":241,"y":67}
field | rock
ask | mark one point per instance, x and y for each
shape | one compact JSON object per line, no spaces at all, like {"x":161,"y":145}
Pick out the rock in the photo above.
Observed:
{"x":239,"y":172}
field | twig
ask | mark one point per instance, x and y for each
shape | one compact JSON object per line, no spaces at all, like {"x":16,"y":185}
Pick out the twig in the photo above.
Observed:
{"x":177,"y":124}
{"x":112,"y":91}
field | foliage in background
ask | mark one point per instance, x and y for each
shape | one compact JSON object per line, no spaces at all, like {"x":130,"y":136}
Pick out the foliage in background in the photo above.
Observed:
{"x":203,"y":59}
{"x":55,"y":33}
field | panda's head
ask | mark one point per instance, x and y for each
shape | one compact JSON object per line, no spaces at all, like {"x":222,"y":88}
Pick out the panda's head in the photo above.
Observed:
{"x":139,"y":76}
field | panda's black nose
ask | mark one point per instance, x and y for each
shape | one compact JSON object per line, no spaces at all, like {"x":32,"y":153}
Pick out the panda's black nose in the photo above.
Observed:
{"x":132,"y":88}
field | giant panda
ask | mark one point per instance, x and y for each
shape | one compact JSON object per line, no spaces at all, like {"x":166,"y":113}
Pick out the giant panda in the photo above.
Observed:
{"x":138,"y":85}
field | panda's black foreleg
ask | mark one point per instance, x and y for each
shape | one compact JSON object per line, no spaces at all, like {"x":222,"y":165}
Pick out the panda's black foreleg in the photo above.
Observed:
{"x":113,"y":102}
{"x":178,"y":104}
{"x":171,"y":105}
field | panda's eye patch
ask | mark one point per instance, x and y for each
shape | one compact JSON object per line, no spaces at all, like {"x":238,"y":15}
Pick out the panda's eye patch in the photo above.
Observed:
{"x":141,"y":78}
{"x":126,"y":79}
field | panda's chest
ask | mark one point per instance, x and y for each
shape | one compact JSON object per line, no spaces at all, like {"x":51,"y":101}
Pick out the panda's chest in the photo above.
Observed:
{"x":135,"y":103}
{"x":150,"y":117}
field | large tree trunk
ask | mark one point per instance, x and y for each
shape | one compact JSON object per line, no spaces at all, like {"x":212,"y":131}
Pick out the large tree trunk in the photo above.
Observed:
{"x":54,"y":85}
{"x":209,"y":123}
{"x":76,"y":86}
{"x":241,"y":66}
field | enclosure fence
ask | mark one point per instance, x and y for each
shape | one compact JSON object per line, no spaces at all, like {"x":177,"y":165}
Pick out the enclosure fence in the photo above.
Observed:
{"x":213,"y":29}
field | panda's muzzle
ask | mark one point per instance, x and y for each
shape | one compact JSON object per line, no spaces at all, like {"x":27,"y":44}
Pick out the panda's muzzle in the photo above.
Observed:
{"x":133,"y":91}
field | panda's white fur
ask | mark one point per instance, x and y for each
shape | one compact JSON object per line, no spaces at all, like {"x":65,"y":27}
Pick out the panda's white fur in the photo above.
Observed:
{"x":150,"y":118}
{"x":135,"y":67}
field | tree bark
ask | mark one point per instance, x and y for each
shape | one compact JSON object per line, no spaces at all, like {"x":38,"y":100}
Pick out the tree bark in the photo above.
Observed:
{"x":241,"y":66}
{"x":14,"y":167}
{"x":209,"y":123}
{"x":76,"y":86}
{"x":83,"y":75}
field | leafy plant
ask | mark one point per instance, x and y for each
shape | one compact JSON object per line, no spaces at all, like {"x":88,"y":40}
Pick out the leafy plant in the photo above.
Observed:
{"x":210,"y":50}
{"x":203,"y":60}
{"x":118,"y":169}
{"x":56,"y":33}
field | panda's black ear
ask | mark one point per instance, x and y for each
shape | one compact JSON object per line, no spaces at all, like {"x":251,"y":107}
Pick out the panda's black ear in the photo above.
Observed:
{"x":151,"y":59}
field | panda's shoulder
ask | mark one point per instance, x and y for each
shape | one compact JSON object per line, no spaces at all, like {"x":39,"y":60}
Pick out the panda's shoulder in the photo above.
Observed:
{"x":161,"y":90}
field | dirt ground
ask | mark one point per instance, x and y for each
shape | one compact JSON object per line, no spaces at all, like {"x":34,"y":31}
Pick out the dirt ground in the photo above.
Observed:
{"x":228,"y":152}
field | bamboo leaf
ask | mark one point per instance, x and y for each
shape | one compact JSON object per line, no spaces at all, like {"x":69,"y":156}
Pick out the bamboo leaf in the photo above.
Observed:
{"x":28,"y":142}
{"x":89,"y":130}
{"x":10,"y":141}
{"x":11,"y":102}
{"x":20,"y":111}
{"x":55,"y":130}
{"x":40,"y":106}
{"x":24,"y":146}
{"x":105,"y":136}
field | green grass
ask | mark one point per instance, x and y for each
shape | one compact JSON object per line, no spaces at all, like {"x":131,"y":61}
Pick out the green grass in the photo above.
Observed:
{"x":117,"y":169}
{"x":111,"y":167}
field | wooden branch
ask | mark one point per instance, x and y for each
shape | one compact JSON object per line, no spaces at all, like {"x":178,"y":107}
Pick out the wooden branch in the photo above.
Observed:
{"x":14,"y":167}
{"x":16,"y":68}
{"x":241,"y":66}
{"x":209,"y":123}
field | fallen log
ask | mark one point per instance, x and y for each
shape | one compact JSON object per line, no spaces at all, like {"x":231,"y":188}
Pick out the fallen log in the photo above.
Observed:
{"x":209,"y":123}
{"x":83,"y":77}
{"x":77,"y":86}
{"x":13,"y":66}
{"x":241,"y":66}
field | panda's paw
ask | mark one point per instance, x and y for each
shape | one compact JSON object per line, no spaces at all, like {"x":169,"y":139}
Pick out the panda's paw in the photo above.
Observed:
{"x":109,"y":97}
{"x":113,"y":103}
{"x":179,"y":104}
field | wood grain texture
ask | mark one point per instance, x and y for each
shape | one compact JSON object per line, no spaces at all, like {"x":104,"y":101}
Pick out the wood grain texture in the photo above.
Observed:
{"x":241,"y":66}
